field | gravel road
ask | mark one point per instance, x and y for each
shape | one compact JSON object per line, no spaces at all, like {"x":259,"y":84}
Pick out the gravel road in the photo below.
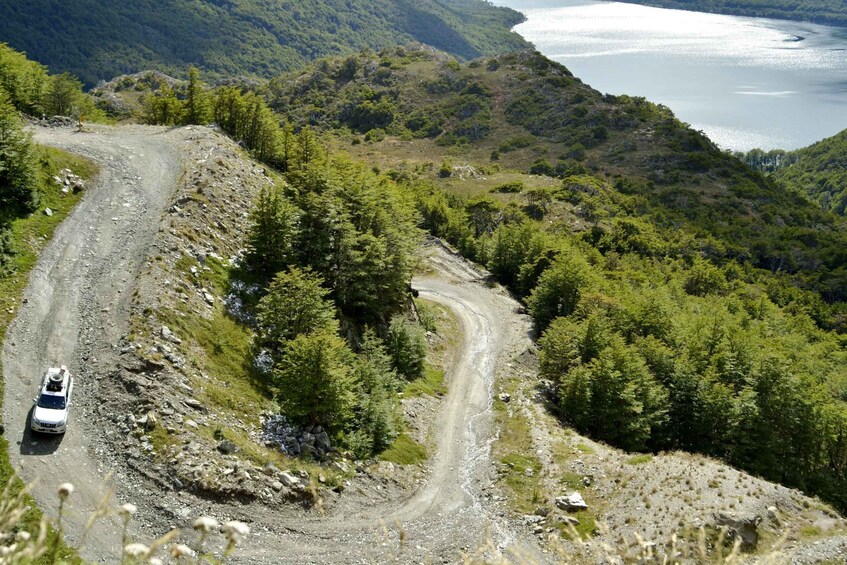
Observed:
{"x":76,"y":310}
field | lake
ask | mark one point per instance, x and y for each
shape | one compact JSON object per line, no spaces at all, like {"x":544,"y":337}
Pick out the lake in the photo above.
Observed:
{"x":746,"y":82}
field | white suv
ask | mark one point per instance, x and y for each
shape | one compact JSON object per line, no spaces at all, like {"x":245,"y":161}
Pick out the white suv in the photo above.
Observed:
{"x":50,"y":413}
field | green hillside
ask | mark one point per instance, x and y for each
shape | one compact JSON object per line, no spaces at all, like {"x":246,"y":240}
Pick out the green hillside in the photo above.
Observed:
{"x":99,"y":39}
{"x":820,"y":171}
{"x":524,"y":112}
{"x":830,"y":12}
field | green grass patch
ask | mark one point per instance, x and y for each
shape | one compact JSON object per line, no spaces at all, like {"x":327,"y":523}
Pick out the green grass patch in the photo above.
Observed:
{"x":405,"y":451}
{"x":573,"y":481}
{"x":29,"y":236}
{"x":586,"y":528}
{"x":639,"y":459}
{"x":431,"y":384}
{"x":587,"y":449}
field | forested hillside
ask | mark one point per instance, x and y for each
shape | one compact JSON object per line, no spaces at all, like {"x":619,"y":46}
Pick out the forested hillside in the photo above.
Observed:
{"x":830,"y":12}
{"x":820,"y":171}
{"x":681,"y":298}
{"x":99,"y":39}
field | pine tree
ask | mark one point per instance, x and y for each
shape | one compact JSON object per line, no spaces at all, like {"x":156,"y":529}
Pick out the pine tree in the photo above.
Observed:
{"x":196,"y":105}
{"x":273,"y":231}
{"x":296,"y":304}
{"x":314,"y":382}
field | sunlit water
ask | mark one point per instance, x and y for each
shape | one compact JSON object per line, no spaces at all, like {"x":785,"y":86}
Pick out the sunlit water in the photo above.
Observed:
{"x":746,"y":82}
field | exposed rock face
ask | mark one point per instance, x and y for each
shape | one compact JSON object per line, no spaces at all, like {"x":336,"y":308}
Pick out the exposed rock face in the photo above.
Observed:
{"x":743,"y":525}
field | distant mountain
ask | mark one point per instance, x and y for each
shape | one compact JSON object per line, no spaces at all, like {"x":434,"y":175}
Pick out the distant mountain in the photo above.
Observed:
{"x":98,"y":39}
{"x":830,"y":12}
{"x":820,"y":171}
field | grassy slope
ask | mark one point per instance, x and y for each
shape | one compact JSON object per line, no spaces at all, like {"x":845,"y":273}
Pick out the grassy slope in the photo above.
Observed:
{"x":820,"y":171}
{"x":98,"y":39}
{"x":29,"y":237}
{"x":521,"y":107}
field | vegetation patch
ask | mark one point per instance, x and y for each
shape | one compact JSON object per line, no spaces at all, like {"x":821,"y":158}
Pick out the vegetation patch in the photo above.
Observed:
{"x":639,"y":459}
{"x":405,"y":451}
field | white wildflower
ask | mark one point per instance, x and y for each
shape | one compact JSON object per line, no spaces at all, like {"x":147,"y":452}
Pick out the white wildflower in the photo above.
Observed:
{"x":127,"y":509}
{"x":65,"y":490}
{"x":136,"y":550}
{"x":205,"y":524}
{"x":235,"y":531}
{"x":181,"y":550}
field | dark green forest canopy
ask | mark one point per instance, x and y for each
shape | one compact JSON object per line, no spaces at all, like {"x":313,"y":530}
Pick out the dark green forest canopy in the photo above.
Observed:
{"x":831,"y":12}
{"x":99,"y":39}
{"x":524,"y":111}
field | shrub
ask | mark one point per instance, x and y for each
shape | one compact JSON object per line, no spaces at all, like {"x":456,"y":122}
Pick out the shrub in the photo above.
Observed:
{"x":406,"y":345}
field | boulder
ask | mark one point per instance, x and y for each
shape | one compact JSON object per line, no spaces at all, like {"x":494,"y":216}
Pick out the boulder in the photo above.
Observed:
{"x":227,"y":447}
{"x":743,"y":525}
{"x":571,"y":503}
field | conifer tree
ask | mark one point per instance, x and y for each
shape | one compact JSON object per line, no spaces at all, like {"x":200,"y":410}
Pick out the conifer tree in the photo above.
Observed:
{"x":196,"y":105}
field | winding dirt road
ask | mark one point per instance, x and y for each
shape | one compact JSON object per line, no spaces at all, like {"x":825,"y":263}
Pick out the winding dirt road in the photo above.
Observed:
{"x":77,"y":309}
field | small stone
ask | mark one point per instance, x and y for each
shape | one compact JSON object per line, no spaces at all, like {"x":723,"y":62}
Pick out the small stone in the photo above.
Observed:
{"x":505,"y":397}
{"x":194,"y":403}
{"x":288,"y":479}
{"x":48,"y":212}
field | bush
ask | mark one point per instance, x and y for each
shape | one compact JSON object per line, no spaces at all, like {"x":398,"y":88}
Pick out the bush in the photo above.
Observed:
{"x":406,"y":345}
{"x":513,"y":187}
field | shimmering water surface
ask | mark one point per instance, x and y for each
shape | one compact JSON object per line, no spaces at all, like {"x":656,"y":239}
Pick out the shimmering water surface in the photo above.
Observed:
{"x":746,"y":82}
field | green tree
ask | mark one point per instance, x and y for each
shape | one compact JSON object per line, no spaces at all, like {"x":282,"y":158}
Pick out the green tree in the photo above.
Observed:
{"x":296,"y":304}
{"x":560,"y":288}
{"x":18,"y":169}
{"x":273,"y":231}
{"x":64,"y":96}
{"x":162,"y":107}
{"x":313,"y":380}
{"x":377,"y":385}
{"x":196,"y":106}
{"x":406,"y":345}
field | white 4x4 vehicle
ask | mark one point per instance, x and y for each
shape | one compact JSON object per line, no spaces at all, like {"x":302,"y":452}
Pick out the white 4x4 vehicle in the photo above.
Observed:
{"x":50,"y":413}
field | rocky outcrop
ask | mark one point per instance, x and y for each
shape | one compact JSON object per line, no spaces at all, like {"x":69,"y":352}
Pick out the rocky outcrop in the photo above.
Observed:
{"x":740,"y":525}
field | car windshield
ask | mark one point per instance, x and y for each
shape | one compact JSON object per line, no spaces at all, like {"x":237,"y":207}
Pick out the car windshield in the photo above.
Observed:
{"x":50,"y":401}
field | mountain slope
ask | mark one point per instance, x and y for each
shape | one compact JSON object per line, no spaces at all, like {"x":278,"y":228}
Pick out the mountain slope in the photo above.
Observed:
{"x":98,"y":39}
{"x":523,"y":111}
{"x":820,"y":171}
